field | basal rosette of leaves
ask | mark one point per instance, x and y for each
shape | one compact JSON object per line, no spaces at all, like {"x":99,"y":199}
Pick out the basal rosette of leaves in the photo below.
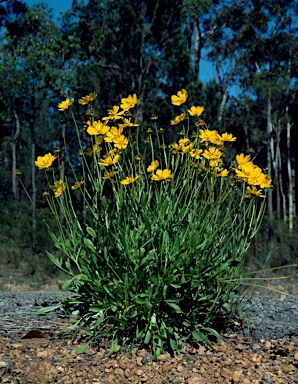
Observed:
{"x":155,"y":254}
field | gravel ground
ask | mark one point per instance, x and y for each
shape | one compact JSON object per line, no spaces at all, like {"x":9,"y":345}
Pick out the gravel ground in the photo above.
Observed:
{"x":266,"y":317}
{"x":32,"y":349}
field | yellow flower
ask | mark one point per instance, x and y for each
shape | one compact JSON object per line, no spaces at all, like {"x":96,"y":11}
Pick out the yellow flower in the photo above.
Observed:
{"x":109,"y":160}
{"x":108,"y":175}
{"x":242,"y":159}
{"x":248,"y":172}
{"x":127,"y":123}
{"x":180,"y":98}
{"x":120,"y":142}
{"x":264,"y":180}
{"x":253,"y":191}
{"x":152,"y":167}
{"x":113,"y":134}
{"x":78,"y":184}
{"x":175,"y":146}
{"x":196,"y":111}
{"x":212,"y":153}
{"x":213,"y":137}
{"x":184,"y":145}
{"x":214,"y":163}
{"x":196,"y":153}
{"x":58,"y":187}
{"x":88,"y":98}
{"x":65,"y":104}
{"x":129,"y":180}
{"x":129,"y":102}
{"x":114,"y":113}
{"x":45,"y":161}
{"x":162,"y":175}
{"x":178,"y":119}
{"x":223,"y":173}
{"x":98,"y":128}
{"x":228,"y":137}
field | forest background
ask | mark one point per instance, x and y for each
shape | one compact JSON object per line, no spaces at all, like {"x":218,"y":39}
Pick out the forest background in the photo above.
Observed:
{"x":153,"y":49}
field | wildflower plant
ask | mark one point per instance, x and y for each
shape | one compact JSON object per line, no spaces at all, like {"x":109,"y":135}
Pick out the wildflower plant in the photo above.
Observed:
{"x":154,"y":255}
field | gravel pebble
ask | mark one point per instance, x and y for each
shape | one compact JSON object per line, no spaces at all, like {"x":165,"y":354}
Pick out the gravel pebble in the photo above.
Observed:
{"x":268,"y":318}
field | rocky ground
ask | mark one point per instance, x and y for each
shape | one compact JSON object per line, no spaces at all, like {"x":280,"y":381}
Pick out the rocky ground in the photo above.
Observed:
{"x":33,"y":349}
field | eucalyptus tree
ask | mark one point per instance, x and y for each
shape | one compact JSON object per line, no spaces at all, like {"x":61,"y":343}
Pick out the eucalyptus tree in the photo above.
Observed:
{"x":258,"y":43}
{"x":29,"y":68}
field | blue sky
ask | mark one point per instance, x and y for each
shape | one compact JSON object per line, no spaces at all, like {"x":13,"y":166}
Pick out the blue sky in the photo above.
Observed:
{"x":206,"y":69}
{"x":57,"y":5}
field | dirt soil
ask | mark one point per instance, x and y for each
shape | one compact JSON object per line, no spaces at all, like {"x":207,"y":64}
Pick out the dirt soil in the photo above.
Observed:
{"x":44,"y":354}
{"x":49,"y":357}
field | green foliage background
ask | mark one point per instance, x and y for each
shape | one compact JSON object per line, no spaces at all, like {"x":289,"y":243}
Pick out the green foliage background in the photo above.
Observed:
{"x":152,"y":48}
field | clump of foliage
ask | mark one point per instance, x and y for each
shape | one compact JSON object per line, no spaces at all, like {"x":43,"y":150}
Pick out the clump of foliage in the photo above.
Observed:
{"x":155,"y":252}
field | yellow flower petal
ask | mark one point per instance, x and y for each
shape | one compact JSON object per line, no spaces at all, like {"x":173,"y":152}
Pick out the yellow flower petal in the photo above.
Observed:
{"x":45,"y":161}
{"x":65,"y":104}
{"x":180,"y":98}
{"x":129,"y":180}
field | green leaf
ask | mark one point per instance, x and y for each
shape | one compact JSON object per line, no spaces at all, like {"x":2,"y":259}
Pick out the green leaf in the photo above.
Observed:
{"x":147,"y":337}
{"x":82,"y":348}
{"x":115,"y":346}
{"x":91,"y":232}
{"x":175,"y":306}
{"x":164,"y":291}
{"x":197,"y":335}
{"x":226,"y":307}
{"x":89,"y":244}
{"x":44,"y":310}
{"x":139,"y":301}
{"x":186,"y":323}
{"x":67,"y":283}
{"x":55,"y":260}
{"x":173,"y":344}
{"x":213,"y":332}
{"x":153,"y":319}
{"x":140,"y":335}
{"x":175,"y":285}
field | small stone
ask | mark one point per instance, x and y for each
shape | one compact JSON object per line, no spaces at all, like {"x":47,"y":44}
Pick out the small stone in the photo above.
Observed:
{"x":162,"y":358}
{"x":139,"y":372}
{"x":112,"y":379}
{"x":167,"y":366}
{"x":41,"y":372}
{"x":191,"y":358}
{"x":237,"y":376}
{"x":139,"y":361}
{"x":17,"y":345}
{"x":180,"y":368}
{"x":42,"y":354}
{"x":268,"y":345}
{"x":288,"y":368}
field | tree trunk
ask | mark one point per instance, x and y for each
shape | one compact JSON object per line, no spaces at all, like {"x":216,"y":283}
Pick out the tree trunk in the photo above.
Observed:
{"x":277,"y":178}
{"x":33,"y":182}
{"x":269,"y":165}
{"x":222,"y":104}
{"x":290,"y":177}
{"x":14,"y":156}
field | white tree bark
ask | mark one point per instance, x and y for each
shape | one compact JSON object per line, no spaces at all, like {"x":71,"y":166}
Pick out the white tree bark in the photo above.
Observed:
{"x":14,"y":156}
